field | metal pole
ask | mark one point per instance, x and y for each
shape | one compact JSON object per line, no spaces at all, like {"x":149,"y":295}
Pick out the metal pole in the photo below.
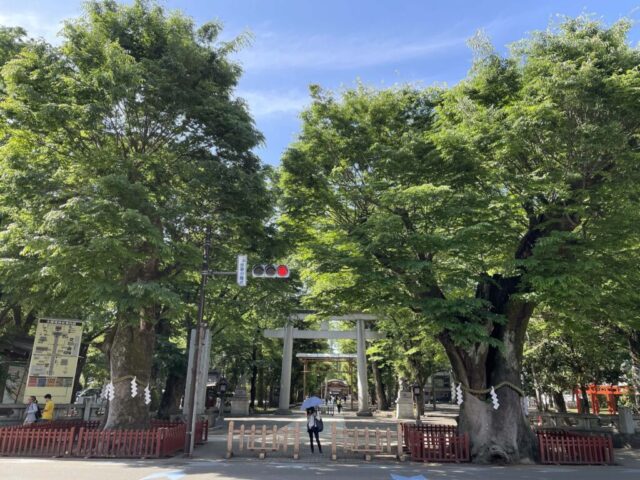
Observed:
{"x":304,"y":379}
{"x":433,"y":390}
{"x":191,"y":424}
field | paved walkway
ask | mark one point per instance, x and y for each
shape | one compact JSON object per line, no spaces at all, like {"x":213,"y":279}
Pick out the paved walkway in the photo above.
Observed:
{"x":445,"y":415}
{"x":270,"y":469}
{"x":209,"y":464}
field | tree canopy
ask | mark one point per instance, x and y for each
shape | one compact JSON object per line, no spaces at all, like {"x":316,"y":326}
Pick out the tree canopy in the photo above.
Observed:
{"x":121,"y":145}
{"x":472,"y":205}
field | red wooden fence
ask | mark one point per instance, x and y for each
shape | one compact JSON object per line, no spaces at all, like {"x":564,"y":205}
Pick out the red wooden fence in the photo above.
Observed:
{"x":432,"y":447}
{"x":173,"y":440}
{"x":37,"y":442}
{"x":446,"y":430}
{"x":571,"y":448}
{"x":201,"y":433}
{"x":64,"y":438}
{"x":119,"y":443}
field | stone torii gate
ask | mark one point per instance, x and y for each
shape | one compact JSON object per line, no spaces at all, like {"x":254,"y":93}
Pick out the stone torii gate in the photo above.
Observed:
{"x":359,"y":334}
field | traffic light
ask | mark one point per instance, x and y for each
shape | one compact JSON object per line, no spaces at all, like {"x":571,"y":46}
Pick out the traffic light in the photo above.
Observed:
{"x":270,"y":271}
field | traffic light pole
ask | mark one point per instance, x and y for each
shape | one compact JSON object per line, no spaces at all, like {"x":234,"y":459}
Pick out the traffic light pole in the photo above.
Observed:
{"x":191,"y":421}
{"x":281,"y":271}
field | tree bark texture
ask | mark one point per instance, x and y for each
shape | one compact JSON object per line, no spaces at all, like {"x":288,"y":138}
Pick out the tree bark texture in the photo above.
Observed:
{"x":130,"y":354}
{"x":634,"y":351}
{"x":173,"y":391}
{"x":558,"y":399}
{"x":381,"y":398}
{"x":585,"y":399}
{"x":503,"y":435}
{"x":82,"y":361}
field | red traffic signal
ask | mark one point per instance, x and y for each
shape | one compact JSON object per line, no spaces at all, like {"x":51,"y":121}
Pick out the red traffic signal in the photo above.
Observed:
{"x":270,"y":271}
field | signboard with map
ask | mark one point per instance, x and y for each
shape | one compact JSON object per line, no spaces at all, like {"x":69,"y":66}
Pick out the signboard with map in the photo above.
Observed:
{"x":54,"y":359}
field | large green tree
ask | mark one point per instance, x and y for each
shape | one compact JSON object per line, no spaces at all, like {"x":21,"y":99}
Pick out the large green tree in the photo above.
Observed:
{"x":469,"y":205}
{"x":123,"y":144}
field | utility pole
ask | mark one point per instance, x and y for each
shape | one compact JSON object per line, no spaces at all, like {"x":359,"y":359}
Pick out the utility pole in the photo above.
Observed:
{"x":191,"y":421}
{"x":269,"y":271}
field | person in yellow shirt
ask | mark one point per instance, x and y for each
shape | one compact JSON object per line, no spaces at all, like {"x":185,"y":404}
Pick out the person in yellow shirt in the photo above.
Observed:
{"x":47,"y":412}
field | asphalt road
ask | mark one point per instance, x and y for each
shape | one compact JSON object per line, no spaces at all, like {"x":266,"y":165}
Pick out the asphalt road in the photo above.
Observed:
{"x":240,"y":469}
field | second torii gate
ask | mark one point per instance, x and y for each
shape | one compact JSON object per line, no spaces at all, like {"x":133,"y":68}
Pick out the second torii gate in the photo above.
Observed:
{"x":359,"y":334}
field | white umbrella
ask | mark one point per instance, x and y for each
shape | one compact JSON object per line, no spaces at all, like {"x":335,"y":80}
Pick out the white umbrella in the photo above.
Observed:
{"x":311,"y":402}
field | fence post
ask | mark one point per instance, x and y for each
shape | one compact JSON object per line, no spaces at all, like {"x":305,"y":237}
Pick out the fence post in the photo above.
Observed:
{"x":334,"y":440}
{"x":285,"y":440}
{"x":263,"y":453}
{"x":400,"y":438}
{"x":230,"y":440}
{"x":367,"y":455}
{"x":296,"y":443}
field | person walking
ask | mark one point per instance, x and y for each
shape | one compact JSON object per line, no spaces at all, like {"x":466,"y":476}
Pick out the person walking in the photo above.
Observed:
{"x":31,"y":412}
{"x":49,"y":406}
{"x":339,"y":404}
{"x":312,"y":427}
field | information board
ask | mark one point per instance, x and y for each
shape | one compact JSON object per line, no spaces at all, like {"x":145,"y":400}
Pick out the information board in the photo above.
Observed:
{"x":54,"y":359}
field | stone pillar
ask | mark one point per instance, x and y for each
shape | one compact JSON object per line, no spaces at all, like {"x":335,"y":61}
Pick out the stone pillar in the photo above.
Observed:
{"x":240,"y":400}
{"x":363,"y":385}
{"x":285,"y":375}
{"x":627,"y":425}
{"x":404,"y":402}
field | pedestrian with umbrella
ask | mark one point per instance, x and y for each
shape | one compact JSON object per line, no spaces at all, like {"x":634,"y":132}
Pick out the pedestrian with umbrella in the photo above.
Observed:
{"x":314,"y":422}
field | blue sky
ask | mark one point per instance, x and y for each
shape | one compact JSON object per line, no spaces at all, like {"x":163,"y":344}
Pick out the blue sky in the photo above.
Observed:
{"x":336,"y":43}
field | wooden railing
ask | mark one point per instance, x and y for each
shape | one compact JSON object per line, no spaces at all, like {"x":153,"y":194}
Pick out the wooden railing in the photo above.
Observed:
{"x":367,"y":441}
{"x":432,"y":447}
{"x":120,"y":443}
{"x":571,"y":448}
{"x":436,"y":443}
{"x":342,"y":441}
{"x":37,"y":442}
{"x":85,"y":439}
{"x":447,"y":430}
{"x":202,"y":428}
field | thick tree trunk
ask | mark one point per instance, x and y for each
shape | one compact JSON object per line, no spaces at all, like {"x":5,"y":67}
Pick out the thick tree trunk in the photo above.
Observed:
{"x":540,"y":405}
{"x":130,"y":354}
{"x":82,"y":361}
{"x":503,"y":435}
{"x":634,"y":351}
{"x":172,"y":395}
{"x":558,"y":399}
{"x":585,"y":399}
{"x":381,"y":398}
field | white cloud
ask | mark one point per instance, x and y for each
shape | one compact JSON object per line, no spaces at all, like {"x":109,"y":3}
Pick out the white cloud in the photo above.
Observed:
{"x":36,"y":24}
{"x":271,"y":51}
{"x":266,"y":103}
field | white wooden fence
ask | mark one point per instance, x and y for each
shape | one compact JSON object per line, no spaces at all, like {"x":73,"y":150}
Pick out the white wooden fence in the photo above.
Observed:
{"x":369,"y":442}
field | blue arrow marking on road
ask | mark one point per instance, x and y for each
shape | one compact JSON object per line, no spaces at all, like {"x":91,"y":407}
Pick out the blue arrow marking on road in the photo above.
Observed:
{"x":400,"y":477}
{"x":173,"y":475}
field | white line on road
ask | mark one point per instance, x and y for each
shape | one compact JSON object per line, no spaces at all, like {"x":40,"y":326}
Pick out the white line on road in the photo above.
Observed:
{"x":173,"y":475}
